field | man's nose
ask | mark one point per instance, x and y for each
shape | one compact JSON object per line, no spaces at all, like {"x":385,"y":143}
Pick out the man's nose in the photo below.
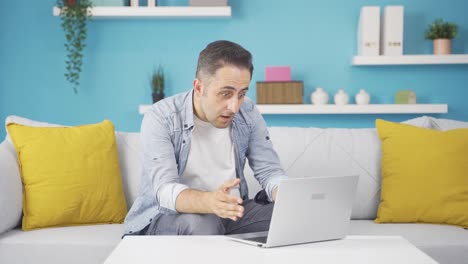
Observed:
{"x":234,"y":104}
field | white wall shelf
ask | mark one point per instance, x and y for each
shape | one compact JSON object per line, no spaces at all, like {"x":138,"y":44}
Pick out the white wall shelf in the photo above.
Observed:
{"x":410,"y":60}
{"x":273,"y":109}
{"x":354,"y":109}
{"x":155,"y":12}
{"x":142,"y":109}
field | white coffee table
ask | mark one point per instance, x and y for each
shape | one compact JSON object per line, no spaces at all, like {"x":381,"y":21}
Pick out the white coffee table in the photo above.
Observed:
{"x":221,"y":250}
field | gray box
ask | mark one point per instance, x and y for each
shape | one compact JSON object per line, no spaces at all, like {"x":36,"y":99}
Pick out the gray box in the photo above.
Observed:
{"x":208,"y":2}
{"x":109,"y":2}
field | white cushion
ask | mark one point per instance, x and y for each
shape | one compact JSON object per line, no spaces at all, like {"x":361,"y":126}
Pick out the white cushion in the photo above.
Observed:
{"x":79,"y":244}
{"x":446,"y":244}
{"x":423,"y":121}
{"x":447,"y":124}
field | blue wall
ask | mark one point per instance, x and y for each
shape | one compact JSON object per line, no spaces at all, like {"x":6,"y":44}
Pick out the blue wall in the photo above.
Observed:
{"x":317,"y":38}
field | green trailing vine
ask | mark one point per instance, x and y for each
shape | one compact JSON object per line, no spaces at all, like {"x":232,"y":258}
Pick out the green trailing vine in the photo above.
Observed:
{"x":74,"y":14}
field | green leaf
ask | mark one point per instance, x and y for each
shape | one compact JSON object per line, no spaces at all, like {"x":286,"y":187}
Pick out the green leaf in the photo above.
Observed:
{"x":441,"y":29}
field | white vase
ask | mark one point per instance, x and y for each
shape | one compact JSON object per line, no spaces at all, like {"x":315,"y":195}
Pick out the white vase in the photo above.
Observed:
{"x":319,"y":97}
{"x":341,"y":98}
{"x":151,"y":3}
{"x":362,"y":98}
{"x":134,"y":3}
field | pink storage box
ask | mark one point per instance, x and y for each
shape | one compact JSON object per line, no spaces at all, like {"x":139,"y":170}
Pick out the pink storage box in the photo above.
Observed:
{"x":277,"y":73}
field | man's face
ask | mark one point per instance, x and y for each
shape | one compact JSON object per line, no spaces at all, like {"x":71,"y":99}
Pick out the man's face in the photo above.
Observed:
{"x":220,"y":96}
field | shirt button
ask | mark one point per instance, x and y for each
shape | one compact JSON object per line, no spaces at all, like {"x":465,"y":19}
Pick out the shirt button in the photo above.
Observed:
{"x":267,"y":138}
{"x":151,"y":219}
{"x":183,"y":141}
{"x":185,"y":125}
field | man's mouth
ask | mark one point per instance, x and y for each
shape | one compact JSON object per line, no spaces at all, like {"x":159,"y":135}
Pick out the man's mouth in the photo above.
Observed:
{"x":227,"y":117}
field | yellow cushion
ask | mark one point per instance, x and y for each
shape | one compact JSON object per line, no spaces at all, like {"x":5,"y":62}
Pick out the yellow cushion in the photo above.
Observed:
{"x":424,"y":175}
{"x":71,"y":175}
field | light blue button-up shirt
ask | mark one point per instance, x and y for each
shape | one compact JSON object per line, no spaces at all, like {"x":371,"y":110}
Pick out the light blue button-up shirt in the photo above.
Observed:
{"x":166,"y":133}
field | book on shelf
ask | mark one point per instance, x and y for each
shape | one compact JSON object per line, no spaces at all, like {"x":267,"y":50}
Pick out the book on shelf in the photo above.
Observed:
{"x":392,"y":31}
{"x":369,"y":31}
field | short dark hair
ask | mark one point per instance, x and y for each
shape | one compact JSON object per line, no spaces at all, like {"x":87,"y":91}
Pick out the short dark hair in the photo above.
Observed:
{"x":220,"y":53}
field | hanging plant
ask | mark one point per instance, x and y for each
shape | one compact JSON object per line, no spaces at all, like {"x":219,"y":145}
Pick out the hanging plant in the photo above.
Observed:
{"x":74,"y":14}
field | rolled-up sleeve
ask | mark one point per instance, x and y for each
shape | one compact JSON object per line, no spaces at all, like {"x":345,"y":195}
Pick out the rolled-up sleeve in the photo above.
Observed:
{"x":159,"y":162}
{"x":168,"y":193}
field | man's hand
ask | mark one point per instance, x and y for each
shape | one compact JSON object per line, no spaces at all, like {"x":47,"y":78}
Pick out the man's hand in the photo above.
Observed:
{"x":274,"y":194}
{"x":220,"y":202}
{"x":224,"y":205}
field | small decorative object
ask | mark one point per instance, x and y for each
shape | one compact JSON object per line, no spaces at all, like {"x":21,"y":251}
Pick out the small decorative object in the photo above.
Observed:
{"x":108,"y":2}
{"x":341,"y":98}
{"x":405,"y":97}
{"x":134,"y":3}
{"x":319,"y":97}
{"x":208,"y":2}
{"x":278,"y":74}
{"x":74,"y":14}
{"x":157,"y":84}
{"x":151,"y":3}
{"x":362,"y":98}
{"x":442,"y":34}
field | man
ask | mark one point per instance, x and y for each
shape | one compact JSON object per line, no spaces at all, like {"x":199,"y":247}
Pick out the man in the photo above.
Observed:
{"x":195,"y":145}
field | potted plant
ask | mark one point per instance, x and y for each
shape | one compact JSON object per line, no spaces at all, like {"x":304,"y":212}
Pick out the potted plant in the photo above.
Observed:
{"x":442,"y":33}
{"x":74,"y":14}
{"x":157,"y":84}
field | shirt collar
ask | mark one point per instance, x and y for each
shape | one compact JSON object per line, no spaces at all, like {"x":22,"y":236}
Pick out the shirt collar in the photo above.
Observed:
{"x":188,"y":120}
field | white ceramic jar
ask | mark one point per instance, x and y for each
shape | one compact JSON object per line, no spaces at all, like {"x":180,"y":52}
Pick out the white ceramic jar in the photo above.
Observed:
{"x":319,"y":97}
{"x":362,"y":98}
{"x":341,"y":98}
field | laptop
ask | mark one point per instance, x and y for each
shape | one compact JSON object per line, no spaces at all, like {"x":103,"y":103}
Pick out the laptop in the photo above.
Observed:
{"x":307,"y":210}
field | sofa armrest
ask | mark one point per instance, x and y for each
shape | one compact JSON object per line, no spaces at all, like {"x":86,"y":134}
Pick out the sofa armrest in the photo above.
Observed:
{"x":10,"y":188}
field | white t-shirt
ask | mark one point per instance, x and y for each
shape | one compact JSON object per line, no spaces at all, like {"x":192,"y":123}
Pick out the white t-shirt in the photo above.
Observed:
{"x":211,"y":158}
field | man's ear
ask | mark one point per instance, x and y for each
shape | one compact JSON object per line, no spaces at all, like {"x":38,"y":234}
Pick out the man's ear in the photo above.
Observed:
{"x":197,"y":87}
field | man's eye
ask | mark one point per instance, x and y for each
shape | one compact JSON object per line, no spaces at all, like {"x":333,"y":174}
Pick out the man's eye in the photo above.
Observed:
{"x":241,"y":95}
{"x":226,"y":94}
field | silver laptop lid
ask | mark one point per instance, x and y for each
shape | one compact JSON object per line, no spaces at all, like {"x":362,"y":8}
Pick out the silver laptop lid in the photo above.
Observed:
{"x":312,"y":209}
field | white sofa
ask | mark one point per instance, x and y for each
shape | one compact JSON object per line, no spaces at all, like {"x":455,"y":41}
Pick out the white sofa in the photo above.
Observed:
{"x":304,"y":152}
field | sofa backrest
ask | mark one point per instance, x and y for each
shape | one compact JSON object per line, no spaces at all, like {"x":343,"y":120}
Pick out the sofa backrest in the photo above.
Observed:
{"x":131,"y":160}
{"x":304,"y":152}
{"x":316,"y":152}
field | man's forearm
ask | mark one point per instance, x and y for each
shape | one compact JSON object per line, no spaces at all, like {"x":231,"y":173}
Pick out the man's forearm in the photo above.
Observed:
{"x":193,"y":201}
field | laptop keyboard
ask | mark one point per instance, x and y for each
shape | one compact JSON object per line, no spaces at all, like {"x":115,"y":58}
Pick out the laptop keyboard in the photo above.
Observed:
{"x":261,"y":239}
